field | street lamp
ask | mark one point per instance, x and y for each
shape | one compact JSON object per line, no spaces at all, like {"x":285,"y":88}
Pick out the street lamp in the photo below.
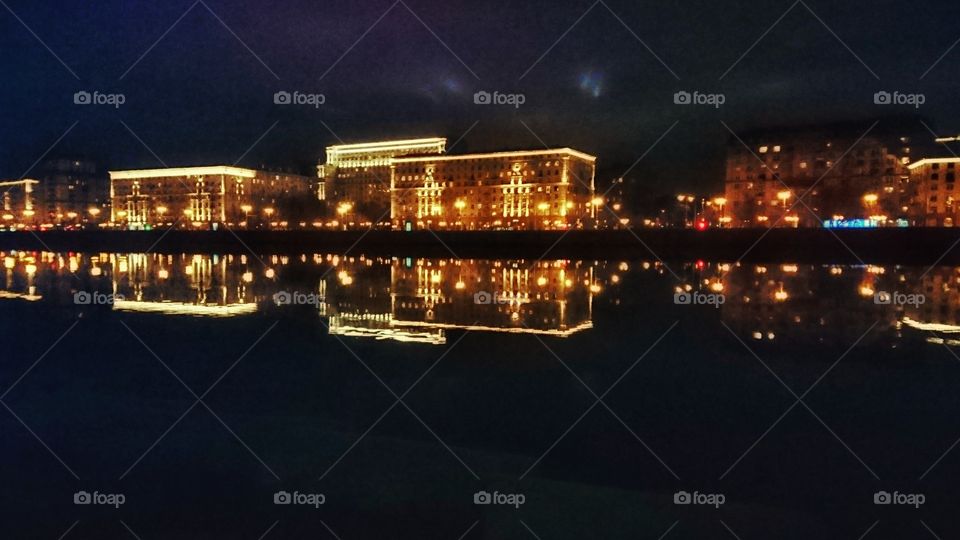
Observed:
{"x":246,"y":213}
{"x":460,"y":204}
{"x":721,"y":202}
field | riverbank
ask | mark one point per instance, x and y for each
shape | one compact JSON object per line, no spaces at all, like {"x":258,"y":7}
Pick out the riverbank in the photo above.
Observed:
{"x":881,"y":246}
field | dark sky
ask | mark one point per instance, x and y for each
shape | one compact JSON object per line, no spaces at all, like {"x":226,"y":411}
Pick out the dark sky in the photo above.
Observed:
{"x":200,"y":96}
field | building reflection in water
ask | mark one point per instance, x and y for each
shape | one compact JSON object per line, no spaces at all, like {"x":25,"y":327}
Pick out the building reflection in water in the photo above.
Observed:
{"x":420,"y":300}
{"x":402,"y":299}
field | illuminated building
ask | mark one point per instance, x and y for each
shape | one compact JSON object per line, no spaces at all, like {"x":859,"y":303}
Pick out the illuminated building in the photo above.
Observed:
{"x":848,"y":174}
{"x":73,"y":191}
{"x":938,"y":198}
{"x":357,"y":176}
{"x":528,"y":190}
{"x":21,"y":206}
{"x":203,"y":196}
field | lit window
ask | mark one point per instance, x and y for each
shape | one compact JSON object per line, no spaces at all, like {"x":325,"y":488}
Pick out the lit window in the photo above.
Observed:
{"x":763,"y":149}
{"x":776,"y":148}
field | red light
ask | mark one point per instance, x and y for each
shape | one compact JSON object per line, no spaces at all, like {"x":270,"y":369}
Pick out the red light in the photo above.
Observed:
{"x":700,"y":264}
{"x":702,"y":225}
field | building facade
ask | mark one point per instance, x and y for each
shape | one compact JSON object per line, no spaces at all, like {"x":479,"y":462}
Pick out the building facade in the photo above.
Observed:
{"x":21,"y":204}
{"x":73,"y":191}
{"x":356,"y":177}
{"x":840,"y":172}
{"x":522,"y":190}
{"x":938,"y":199}
{"x":203,"y":197}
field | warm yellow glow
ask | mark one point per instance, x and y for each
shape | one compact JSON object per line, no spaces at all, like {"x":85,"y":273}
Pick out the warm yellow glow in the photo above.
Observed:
{"x":182,"y":171}
{"x":541,"y":281}
{"x":72,"y":215}
{"x":543,"y":207}
{"x":716,"y":286}
{"x":93,"y":211}
{"x":9,"y":263}
{"x":268,"y":211}
{"x":598,"y":201}
{"x":96,"y":271}
{"x":246,"y":208}
{"x":161,"y":210}
{"x":31,"y":269}
{"x":789,"y":268}
{"x":122,"y":213}
{"x":460,"y":204}
{"x":784,"y":195}
{"x":595,"y":288}
{"x":163,"y":273}
{"x":870,"y":198}
{"x":614,"y":278}
{"x":270,"y":273}
{"x":247,"y":277}
{"x":28,"y":213}
{"x":866,"y":290}
{"x":720,"y":201}
{"x":518,"y":154}
{"x":345,"y":277}
{"x":8,"y":217}
{"x":460,"y":285}
{"x":780,"y":295}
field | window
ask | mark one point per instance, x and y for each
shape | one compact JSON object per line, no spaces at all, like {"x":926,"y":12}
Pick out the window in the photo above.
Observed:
{"x":763,"y":149}
{"x":776,"y":148}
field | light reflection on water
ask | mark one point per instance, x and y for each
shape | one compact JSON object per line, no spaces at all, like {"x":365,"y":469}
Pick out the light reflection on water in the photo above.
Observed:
{"x":419,"y":300}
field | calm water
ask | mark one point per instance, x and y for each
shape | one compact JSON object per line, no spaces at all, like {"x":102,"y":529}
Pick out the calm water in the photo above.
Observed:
{"x":196,"y":387}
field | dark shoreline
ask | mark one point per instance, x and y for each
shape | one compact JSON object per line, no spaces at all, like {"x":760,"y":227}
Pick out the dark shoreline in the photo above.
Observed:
{"x":878,"y":246}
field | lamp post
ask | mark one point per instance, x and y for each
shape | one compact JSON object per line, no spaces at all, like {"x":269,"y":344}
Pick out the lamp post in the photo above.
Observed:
{"x":686,"y":201}
{"x":722,"y":203}
{"x":460,"y":204}
{"x":870,"y":199}
{"x":246,"y":214}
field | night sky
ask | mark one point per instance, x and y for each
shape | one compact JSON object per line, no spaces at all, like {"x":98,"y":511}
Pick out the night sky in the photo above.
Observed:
{"x":199,"y":96}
